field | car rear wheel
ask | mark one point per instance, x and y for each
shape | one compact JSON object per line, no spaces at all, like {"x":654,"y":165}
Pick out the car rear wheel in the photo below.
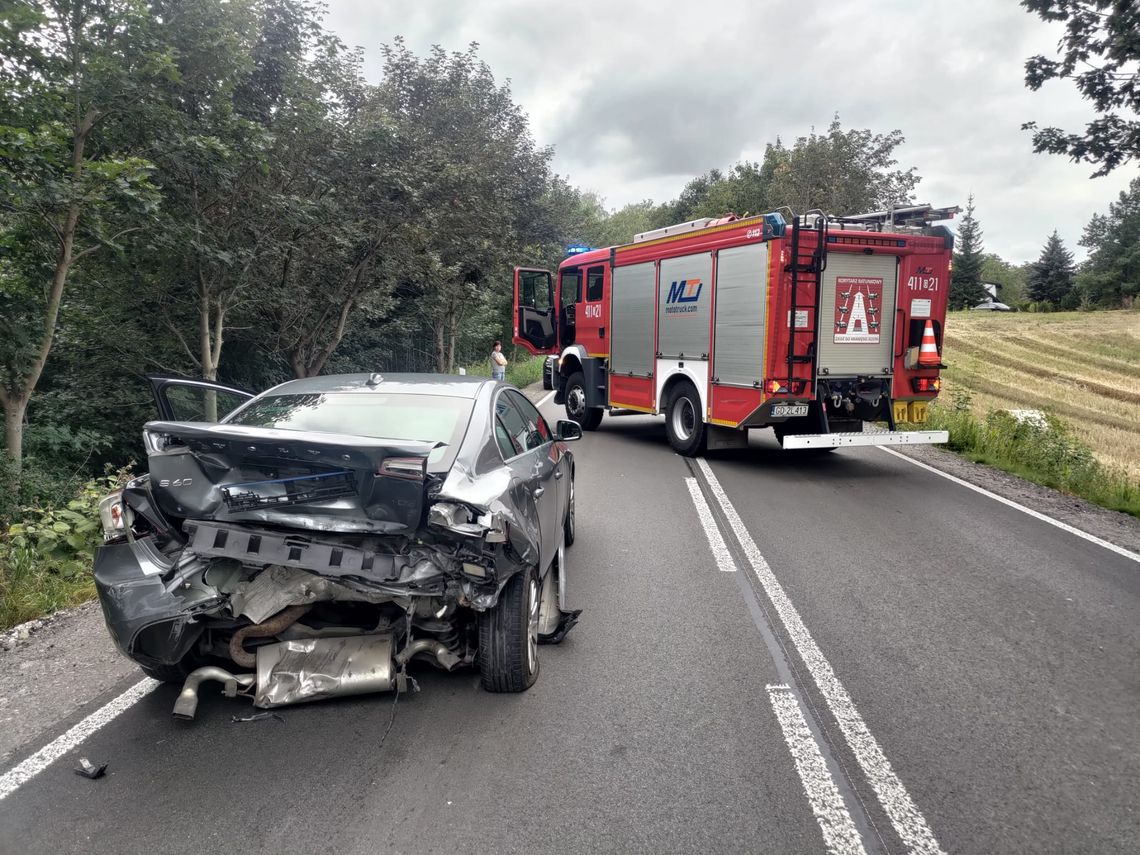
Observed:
{"x":684,"y":421}
{"x":576,"y":410}
{"x":508,"y":636}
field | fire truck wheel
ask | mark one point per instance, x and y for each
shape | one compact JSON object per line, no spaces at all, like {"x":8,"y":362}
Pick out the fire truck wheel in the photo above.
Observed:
{"x":588,"y":417}
{"x":684,"y":422}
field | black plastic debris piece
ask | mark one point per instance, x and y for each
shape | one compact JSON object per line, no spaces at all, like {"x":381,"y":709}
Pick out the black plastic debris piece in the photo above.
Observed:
{"x":261,"y":716}
{"x":89,"y":770}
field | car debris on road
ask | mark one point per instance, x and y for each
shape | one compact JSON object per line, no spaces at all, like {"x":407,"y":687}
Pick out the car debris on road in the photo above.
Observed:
{"x":87,"y":769}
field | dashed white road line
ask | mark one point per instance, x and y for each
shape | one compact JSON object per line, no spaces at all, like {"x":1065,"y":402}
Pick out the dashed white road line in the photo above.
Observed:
{"x":1091,"y":538}
{"x":712,"y":532}
{"x":16,"y":777}
{"x":839,"y":833}
{"x":904,"y":814}
{"x":545,"y":398}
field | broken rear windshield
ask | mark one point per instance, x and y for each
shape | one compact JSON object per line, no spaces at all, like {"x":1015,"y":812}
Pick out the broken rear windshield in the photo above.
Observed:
{"x":429,"y":418}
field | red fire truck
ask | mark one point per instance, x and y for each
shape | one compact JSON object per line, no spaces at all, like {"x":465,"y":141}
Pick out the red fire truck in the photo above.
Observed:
{"x":811,"y":328}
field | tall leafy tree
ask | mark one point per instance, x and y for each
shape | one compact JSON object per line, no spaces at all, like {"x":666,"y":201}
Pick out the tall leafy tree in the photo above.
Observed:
{"x":840,"y":172}
{"x":72,"y":71}
{"x":1111,"y":275}
{"x":1051,"y":277}
{"x":480,"y":181}
{"x":1100,"y":54}
{"x":969,"y":257}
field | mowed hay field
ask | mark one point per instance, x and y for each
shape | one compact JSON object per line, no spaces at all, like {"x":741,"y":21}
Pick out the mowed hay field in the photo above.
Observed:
{"x":1083,"y":367}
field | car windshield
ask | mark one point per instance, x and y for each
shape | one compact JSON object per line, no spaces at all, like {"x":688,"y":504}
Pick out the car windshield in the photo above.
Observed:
{"x":428,"y":418}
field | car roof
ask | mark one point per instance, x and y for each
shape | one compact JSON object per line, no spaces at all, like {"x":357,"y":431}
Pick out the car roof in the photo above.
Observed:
{"x":450,"y":385}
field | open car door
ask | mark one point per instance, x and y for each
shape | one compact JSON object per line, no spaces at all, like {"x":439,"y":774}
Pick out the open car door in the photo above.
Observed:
{"x":185,"y":399}
{"x":536,"y":321}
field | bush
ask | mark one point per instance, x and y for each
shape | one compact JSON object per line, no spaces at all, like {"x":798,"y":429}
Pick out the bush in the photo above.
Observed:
{"x":1040,"y":450}
{"x":46,"y":555}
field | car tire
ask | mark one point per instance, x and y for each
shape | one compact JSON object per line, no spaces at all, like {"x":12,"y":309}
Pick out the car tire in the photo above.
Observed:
{"x":684,"y":422}
{"x":576,"y":410}
{"x":508,"y":636}
{"x":568,"y":525}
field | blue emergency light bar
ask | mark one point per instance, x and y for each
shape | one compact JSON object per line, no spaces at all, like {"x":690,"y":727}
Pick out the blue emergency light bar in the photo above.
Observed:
{"x":578,"y":249}
{"x":774,"y":225}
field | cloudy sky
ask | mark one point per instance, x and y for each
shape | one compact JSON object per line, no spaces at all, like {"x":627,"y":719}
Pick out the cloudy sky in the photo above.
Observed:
{"x":638,"y":97}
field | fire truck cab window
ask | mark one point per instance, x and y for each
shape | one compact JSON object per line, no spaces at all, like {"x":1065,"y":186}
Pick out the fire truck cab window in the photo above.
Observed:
{"x":594,"y":277}
{"x":571,"y":287}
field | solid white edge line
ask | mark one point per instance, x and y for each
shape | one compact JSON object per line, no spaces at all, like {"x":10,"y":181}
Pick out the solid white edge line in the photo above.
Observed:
{"x":839,"y":833}
{"x":1091,"y":538}
{"x":712,"y":532}
{"x":904,"y":814}
{"x":545,"y":398}
{"x":19,"y":775}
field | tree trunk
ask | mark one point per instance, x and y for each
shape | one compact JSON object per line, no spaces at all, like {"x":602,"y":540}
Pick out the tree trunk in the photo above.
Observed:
{"x":14,"y":409}
{"x":440,"y":348}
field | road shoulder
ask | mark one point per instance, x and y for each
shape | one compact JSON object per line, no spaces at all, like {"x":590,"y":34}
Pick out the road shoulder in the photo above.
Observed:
{"x":1115,"y":527}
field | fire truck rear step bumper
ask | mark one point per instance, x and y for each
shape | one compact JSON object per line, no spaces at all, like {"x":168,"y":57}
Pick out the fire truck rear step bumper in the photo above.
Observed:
{"x":898,"y":437}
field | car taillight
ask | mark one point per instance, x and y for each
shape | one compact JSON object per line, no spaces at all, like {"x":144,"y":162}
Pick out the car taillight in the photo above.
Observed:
{"x":408,"y":468}
{"x":926,"y":384}
{"x":113,"y":516}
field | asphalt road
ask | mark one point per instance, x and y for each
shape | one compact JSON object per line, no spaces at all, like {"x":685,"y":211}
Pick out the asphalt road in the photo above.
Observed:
{"x":959,"y":676}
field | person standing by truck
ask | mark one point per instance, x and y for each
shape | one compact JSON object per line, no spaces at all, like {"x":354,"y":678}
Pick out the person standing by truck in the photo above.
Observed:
{"x":498,"y":362}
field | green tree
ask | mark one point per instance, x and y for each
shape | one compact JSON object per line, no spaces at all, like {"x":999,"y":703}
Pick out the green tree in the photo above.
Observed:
{"x":1051,"y":277}
{"x":1111,"y":275}
{"x":966,"y":279}
{"x":73,"y":72}
{"x":480,"y":185}
{"x":840,"y":172}
{"x":1100,"y":54}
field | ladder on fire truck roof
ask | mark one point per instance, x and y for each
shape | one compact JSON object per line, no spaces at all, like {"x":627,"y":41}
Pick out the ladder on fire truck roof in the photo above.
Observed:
{"x":898,"y":218}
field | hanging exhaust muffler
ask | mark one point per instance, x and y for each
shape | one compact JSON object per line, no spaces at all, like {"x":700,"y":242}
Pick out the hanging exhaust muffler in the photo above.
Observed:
{"x":312,"y":669}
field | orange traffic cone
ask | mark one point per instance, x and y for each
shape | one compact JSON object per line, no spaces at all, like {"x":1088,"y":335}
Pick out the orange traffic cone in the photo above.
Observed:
{"x":928,"y":351}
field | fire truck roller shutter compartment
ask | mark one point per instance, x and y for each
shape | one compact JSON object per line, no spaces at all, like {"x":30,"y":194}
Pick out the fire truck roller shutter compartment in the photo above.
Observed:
{"x":741,"y":309}
{"x":857,"y":315}
{"x":684,"y":301}
{"x":631,"y":337}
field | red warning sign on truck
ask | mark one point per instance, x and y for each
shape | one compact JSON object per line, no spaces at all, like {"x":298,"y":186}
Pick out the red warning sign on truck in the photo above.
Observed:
{"x":858,"y":308}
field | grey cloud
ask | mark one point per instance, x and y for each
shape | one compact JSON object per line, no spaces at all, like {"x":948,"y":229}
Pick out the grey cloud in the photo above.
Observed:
{"x":637,"y":97}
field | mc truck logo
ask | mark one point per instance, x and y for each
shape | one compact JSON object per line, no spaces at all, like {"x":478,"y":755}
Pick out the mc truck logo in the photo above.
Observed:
{"x":683,"y":296}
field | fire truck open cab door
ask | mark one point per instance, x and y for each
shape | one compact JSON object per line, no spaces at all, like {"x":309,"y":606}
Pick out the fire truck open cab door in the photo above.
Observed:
{"x":536,"y":313}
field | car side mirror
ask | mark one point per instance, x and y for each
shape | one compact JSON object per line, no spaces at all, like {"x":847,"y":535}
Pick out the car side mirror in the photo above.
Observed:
{"x":569,"y":431}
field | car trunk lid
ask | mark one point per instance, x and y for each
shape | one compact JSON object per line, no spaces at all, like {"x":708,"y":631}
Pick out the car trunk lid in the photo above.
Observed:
{"x":308,"y":480}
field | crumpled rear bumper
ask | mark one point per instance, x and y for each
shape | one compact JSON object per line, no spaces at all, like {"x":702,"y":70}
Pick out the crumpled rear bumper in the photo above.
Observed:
{"x":150,"y":620}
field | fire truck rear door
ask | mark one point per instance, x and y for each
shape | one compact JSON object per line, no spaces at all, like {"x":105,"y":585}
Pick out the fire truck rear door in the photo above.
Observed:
{"x":857,"y":315}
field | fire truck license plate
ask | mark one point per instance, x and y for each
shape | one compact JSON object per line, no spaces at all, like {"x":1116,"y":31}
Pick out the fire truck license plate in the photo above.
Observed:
{"x":790,"y":410}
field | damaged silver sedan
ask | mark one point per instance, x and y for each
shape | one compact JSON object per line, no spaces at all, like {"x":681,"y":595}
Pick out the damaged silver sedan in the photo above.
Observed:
{"x":328,"y":532}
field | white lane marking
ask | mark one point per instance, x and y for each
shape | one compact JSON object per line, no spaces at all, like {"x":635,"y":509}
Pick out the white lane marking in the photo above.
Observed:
{"x":839,"y":834}
{"x":1091,"y":538}
{"x":13,"y":779}
{"x":712,"y":532}
{"x":545,"y":398}
{"x":904,"y":814}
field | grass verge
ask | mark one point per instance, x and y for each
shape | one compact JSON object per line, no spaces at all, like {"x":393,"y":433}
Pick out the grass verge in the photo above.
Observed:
{"x":31,"y":587}
{"x":1043,"y":450}
{"x":521,"y":372}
